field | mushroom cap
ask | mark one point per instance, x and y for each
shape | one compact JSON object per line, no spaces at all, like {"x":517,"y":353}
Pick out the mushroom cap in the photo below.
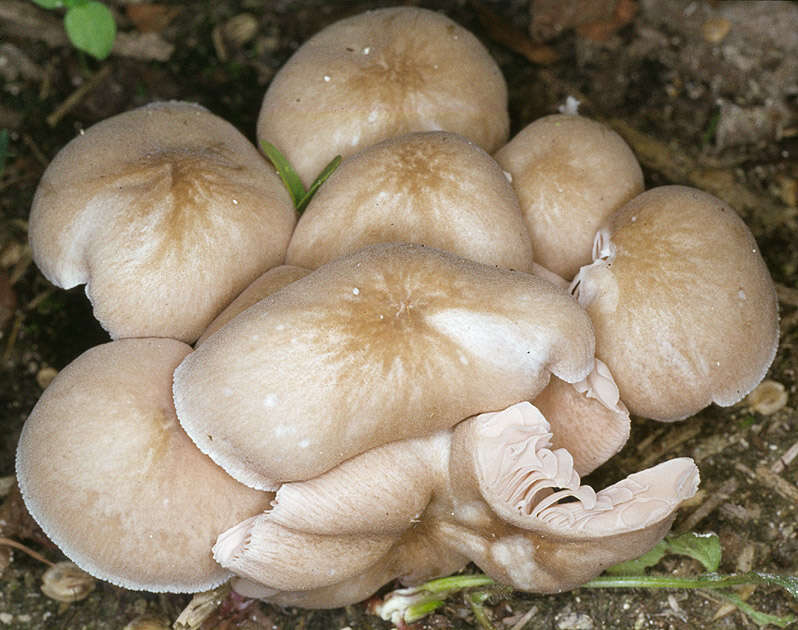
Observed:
{"x":108,"y":473}
{"x":587,"y":418}
{"x":394,"y":341}
{"x":684,"y":308}
{"x":266,"y":284}
{"x":434,"y":188}
{"x":570,"y":174}
{"x":491,"y":489}
{"x":166,"y":213}
{"x":380,"y":74}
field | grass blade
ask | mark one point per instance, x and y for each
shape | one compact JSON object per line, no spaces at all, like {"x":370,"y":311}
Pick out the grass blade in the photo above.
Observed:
{"x":325,"y":173}
{"x":294,"y":185}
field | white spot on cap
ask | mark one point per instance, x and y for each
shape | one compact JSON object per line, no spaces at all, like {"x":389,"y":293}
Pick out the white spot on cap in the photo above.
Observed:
{"x":304,"y":443}
{"x":356,"y":291}
{"x":741,"y":294}
{"x":327,"y":78}
{"x":281,"y":429}
{"x":270,"y":400}
{"x":372,"y":116}
{"x":280,"y":327}
{"x":235,"y":202}
{"x":366,"y":50}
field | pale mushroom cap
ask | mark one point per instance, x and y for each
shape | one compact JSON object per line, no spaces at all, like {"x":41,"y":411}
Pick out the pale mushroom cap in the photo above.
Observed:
{"x":108,"y":473}
{"x":392,"y":342}
{"x":433,"y":188}
{"x":380,"y":74}
{"x":587,"y":418}
{"x":166,"y":213}
{"x":685,"y":310}
{"x":264,"y":285}
{"x":491,"y":489}
{"x":570,"y":174}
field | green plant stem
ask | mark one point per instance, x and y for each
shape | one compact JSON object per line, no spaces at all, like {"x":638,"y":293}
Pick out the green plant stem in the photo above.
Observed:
{"x":477,"y":602}
{"x":707,"y":580}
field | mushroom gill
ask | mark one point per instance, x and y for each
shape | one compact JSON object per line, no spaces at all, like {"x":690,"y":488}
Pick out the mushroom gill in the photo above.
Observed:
{"x":490,"y":490}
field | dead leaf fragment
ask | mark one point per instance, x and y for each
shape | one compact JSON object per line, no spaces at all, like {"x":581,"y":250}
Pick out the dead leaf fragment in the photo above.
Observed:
{"x":151,"y":18}
{"x":505,"y":33}
{"x":596,"y":20}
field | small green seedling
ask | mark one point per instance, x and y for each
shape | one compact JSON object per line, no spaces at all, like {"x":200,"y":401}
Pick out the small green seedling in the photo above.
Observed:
{"x":411,"y":604}
{"x":293,"y":183}
{"x":88,"y":24}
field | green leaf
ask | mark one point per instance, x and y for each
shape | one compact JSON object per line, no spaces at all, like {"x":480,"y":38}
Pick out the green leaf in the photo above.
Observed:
{"x":49,"y":4}
{"x":758,"y":617}
{"x":702,"y":547}
{"x":91,"y":28}
{"x":639,"y":565}
{"x":293,"y":183}
{"x":3,"y":149}
{"x":325,"y":173}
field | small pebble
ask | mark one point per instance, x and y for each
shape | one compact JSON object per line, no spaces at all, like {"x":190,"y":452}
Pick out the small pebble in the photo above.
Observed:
{"x":767,"y":398}
{"x":45,"y":376}
{"x":65,"y":582}
{"x":715,"y":29}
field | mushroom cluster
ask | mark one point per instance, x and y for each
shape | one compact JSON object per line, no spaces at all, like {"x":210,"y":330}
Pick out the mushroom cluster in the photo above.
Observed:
{"x":403,"y":381}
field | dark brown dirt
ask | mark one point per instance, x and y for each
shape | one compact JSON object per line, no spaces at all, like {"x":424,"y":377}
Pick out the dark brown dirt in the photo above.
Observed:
{"x":705,"y":92}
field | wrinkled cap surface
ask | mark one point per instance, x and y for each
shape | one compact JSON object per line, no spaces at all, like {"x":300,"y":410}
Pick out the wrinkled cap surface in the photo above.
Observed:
{"x":684,"y":308}
{"x":380,"y":74}
{"x":166,"y":213}
{"x":435,"y":188}
{"x":108,"y":473}
{"x":570,"y":174}
{"x":394,"y":341}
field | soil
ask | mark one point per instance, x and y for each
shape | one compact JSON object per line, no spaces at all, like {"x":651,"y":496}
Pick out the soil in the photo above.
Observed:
{"x":704,"y":92}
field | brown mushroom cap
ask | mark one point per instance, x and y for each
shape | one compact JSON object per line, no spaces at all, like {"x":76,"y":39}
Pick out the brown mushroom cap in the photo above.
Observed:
{"x":166,"y":213}
{"x":434,"y":188}
{"x":491,"y":489}
{"x":266,"y":284}
{"x":587,"y":418}
{"x":570,"y":174}
{"x":108,"y":473}
{"x":394,"y":341}
{"x":380,"y":74}
{"x":684,"y":308}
